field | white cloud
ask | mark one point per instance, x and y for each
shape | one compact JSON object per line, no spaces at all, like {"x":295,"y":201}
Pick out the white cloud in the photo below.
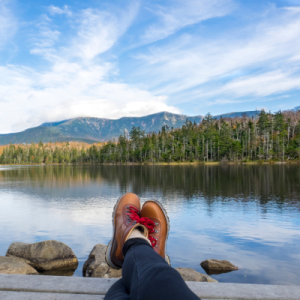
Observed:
{"x":224,"y":101}
{"x":225,"y":64}
{"x":45,"y":39}
{"x":55,"y":10}
{"x":81,"y":78}
{"x":69,"y":90}
{"x":176,"y":14}
{"x":8,"y":23}
{"x":76,"y":82}
{"x":262,"y":85}
{"x":100,"y":30}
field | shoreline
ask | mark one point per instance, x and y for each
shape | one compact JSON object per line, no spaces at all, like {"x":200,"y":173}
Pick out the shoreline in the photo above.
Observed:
{"x":210,"y":163}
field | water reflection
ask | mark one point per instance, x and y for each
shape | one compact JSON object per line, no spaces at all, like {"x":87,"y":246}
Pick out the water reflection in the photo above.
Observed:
{"x":248,"y":215}
{"x":215,"y":272}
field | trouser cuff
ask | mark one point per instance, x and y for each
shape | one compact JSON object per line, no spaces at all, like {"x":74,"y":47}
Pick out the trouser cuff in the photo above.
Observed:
{"x":134,"y":242}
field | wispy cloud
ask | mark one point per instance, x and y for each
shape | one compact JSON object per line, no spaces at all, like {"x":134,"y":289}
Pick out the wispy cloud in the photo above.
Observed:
{"x":55,"y":10}
{"x":45,"y":38}
{"x":100,"y":30}
{"x":173,"y":15}
{"x":144,"y":57}
{"x":262,"y":85}
{"x":228,"y":64}
{"x":76,"y":83}
{"x":8,"y":23}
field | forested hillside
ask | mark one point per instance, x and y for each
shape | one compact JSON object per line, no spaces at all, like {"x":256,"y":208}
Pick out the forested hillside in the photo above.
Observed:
{"x":266,"y":137}
{"x":92,"y":130}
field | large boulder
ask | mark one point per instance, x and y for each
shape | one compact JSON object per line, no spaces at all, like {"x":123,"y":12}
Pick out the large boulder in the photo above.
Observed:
{"x":11,"y":265}
{"x":47,"y":255}
{"x":192,"y":275}
{"x":96,"y":266}
{"x":215,"y":266}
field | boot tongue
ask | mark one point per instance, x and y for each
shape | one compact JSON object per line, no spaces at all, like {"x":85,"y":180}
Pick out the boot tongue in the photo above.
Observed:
{"x":133,"y":214}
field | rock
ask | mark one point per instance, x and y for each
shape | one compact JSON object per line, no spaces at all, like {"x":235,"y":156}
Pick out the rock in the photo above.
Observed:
{"x":96,"y":266}
{"x":10,"y":265}
{"x":58,"y":272}
{"x":47,"y":255}
{"x":215,"y":266}
{"x":192,"y":275}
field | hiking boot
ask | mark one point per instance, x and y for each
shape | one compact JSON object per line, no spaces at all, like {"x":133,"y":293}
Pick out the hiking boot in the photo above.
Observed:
{"x":159,"y":228}
{"x":125,"y":220}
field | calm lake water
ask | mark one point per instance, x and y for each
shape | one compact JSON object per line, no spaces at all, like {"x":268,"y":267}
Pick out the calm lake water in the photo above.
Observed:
{"x":249,"y":215}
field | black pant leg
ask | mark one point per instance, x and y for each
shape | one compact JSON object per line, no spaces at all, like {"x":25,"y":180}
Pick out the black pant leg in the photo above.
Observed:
{"x":117,"y":291}
{"x":147,"y":276}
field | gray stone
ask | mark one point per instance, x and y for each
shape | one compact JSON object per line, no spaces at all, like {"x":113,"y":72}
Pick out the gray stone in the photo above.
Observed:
{"x":218,"y":265}
{"x":43,"y":285}
{"x":56,"y":284}
{"x":9,"y":295}
{"x":96,"y":266}
{"x":192,"y":275}
{"x":10,"y":265}
{"x":47,"y":255}
{"x":244,"y":291}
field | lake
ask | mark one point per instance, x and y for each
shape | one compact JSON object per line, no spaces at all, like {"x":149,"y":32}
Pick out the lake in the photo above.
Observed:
{"x":247,"y":214}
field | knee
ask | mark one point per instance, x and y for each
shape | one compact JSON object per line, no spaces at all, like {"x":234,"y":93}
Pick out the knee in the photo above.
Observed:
{"x":162,"y":273}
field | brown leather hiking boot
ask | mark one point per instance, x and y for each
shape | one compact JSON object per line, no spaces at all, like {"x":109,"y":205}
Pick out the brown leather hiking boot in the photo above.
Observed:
{"x":125,"y":219}
{"x":159,"y":232}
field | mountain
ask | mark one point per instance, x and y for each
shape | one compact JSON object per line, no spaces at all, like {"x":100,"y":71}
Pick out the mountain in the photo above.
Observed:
{"x":92,"y":130}
{"x":250,"y":114}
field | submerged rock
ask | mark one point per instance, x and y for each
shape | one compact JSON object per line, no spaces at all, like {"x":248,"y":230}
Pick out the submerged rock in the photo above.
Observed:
{"x":192,"y":275}
{"x":215,"y":266}
{"x":11,"y":265}
{"x":96,"y":266}
{"x":47,"y":255}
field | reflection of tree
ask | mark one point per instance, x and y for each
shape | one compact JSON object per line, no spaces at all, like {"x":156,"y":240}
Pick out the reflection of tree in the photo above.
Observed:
{"x":263,"y":183}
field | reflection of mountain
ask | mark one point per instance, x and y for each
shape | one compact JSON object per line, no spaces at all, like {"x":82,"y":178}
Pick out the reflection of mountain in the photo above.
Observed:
{"x":277,"y":183}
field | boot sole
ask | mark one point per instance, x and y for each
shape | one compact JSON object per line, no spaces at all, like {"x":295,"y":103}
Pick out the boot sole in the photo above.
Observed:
{"x":108,"y":250}
{"x":167,"y":258}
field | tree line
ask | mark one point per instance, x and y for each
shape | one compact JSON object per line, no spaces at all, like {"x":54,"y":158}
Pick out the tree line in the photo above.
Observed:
{"x":264,"y":137}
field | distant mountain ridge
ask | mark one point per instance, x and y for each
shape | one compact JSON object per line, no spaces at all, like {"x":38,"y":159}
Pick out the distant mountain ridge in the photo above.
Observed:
{"x":52,"y":124}
{"x":92,"y":130}
{"x":238,"y":114}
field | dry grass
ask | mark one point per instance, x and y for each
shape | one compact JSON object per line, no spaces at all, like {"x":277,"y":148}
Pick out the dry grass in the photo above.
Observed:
{"x":74,"y":145}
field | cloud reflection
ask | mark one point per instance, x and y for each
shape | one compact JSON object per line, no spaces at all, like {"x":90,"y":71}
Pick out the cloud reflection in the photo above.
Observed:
{"x":216,"y":212}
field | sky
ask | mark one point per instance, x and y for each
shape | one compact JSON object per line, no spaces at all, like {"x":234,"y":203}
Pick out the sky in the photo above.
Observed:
{"x":116,"y":58}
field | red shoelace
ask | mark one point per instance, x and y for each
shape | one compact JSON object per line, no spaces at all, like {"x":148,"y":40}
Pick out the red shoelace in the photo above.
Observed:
{"x":133,"y":214}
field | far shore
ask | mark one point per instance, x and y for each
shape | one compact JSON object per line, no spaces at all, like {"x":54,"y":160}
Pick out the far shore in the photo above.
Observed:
{"x":209,"y":163}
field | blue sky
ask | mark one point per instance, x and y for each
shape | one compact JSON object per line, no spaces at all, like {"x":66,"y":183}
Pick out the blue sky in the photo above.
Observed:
{"x":64,"y":59}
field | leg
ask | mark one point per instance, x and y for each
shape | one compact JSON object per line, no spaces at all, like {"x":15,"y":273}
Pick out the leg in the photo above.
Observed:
{"x":117,"y":292}
{"x":147,"y":276}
